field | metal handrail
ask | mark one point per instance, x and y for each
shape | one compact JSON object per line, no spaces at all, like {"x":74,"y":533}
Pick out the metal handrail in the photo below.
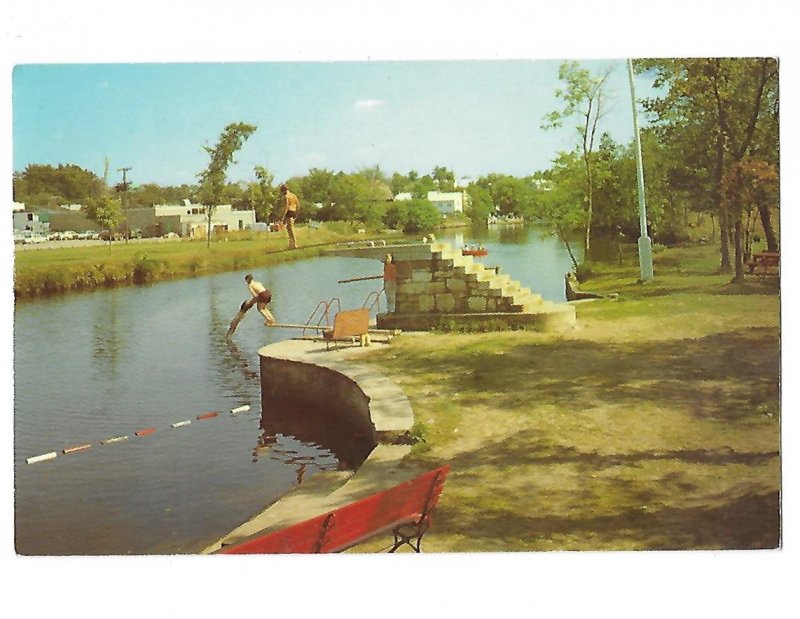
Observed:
{"x":326,"y":305}
{"x":376,"y":301}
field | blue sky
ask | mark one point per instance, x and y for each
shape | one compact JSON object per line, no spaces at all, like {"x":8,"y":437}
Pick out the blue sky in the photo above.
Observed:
{"x":474,"y":117}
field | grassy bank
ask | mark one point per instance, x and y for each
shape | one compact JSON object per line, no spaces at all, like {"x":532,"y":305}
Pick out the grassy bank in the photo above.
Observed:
{"x":654,"y":425}
{"x":69,"y":269}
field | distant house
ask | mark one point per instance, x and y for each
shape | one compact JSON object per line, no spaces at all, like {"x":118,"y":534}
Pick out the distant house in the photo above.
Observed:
{"x":445,"y":202}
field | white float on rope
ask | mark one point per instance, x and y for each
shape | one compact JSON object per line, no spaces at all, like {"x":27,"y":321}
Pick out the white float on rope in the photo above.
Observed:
{"x":42,"y":458}
{"x":114,"y":439}
{"x":178,"y":424}
{"x":240,"y":409}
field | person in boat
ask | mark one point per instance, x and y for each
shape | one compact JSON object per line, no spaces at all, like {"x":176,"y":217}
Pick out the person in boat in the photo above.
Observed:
{"x":292,"y":205}
{"x":389,"y":281}
{"x":261,"y":297}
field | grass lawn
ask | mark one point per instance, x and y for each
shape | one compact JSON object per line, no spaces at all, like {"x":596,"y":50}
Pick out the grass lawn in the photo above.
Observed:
{"x":655,"y":424}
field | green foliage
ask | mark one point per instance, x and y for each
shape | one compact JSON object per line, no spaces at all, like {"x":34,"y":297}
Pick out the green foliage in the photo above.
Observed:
{"x":412,"y":216}
{"x":212,"y":179}
{"x":48,"y":186}
{"x":105,"y":211}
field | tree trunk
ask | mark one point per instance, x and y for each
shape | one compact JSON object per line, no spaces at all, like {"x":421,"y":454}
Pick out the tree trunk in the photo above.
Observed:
{"x":769,"y":230}
{"x":724,"y":241}
{"x":569,"y":249}
{"x":724,"y":220}
{"x":738,"y":250}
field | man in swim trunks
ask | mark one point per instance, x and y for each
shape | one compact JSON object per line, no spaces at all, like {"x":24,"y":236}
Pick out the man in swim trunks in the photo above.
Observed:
{"x":292,"y":205}
{"x":261,"y":296}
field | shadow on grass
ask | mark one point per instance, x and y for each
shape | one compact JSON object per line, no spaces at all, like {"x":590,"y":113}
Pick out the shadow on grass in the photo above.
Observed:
{"x":722,"y":376}
{"x":751,"y":521}
{"x":749,"y":518}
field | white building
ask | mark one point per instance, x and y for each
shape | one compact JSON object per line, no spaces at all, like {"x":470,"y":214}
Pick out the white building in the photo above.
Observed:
{"x":193,"y":221}
{"x":445,"y":202}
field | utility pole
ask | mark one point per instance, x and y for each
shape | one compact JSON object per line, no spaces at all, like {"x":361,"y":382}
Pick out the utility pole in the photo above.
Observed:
{"x":645,"y":246}
{"x":123,"y":189}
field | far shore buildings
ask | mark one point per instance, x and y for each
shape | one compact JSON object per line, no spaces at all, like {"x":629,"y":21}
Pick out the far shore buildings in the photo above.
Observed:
{"x":186,"y":220}
{"x":446,"y":202}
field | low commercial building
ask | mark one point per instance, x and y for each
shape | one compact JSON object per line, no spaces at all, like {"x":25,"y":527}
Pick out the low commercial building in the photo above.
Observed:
{"x":186,"y":220}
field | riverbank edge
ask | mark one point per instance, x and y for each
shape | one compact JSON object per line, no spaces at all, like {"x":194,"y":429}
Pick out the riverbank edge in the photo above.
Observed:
{"x":389,"y":410}
{"x":148,"y":263}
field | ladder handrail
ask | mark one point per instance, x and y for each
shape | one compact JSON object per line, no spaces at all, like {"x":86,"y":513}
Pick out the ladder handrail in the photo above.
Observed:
{"x":325,"y":315}
{"x":377,"y":300}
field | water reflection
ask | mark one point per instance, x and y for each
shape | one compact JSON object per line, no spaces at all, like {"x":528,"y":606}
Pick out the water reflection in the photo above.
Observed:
{"x":348,"y":441}
{"x":107,"y":337}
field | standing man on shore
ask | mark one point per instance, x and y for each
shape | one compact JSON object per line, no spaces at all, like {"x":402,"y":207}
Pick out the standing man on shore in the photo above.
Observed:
{"x":292,"y":205}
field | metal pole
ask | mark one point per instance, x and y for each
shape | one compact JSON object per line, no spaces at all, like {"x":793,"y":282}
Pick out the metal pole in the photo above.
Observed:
{"x":645,"y":246}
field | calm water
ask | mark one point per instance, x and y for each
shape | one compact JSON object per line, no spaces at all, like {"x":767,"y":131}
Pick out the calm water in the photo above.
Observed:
{"x":527,"y":253}
{"x":98,"y":365}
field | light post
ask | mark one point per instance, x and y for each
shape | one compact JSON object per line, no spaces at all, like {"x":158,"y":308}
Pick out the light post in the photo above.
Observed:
{"x":645,"y":246}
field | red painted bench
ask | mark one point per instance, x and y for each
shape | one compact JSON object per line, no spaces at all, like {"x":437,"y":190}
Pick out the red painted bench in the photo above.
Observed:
{"x":405,"y":510}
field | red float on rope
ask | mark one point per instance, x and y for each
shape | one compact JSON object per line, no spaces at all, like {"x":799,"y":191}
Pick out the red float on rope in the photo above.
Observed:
{"x":145,"y":432}
{"x":207,"y":415}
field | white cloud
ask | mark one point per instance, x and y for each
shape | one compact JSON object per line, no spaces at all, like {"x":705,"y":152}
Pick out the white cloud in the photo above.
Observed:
{"x":368,"y":104}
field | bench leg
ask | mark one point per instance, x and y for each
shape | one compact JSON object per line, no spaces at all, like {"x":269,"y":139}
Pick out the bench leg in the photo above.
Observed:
{"x":410,"y":534}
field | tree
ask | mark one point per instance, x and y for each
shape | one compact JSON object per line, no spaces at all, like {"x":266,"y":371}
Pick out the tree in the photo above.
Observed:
{"x":45,"y":185}
{"x":212,"y":179}
{"x":559,"y":202}
{"x":106,"y":212}
{"x":583,"y":96}
{"x":749,"y":184}
{"x":412,"y":216}
{"x":264,"y":196}
{"x":726,"y":110}
{"x":445,"y":179}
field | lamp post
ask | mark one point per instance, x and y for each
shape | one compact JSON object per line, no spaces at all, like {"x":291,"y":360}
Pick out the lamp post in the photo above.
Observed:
{"x":645,"y":246}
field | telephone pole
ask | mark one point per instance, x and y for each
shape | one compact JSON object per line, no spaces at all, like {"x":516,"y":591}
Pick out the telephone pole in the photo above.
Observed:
{"x":123,"y":189}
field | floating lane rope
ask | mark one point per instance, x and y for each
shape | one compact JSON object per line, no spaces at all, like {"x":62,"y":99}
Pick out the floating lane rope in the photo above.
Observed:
{"x":42,"y":458}
{"x":72,"y":450}
{"x":114,"y":439}
{"x":118,"y":439}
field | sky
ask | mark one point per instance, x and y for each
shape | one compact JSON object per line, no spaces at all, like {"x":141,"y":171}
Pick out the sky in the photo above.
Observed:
{"x":473,"y":117}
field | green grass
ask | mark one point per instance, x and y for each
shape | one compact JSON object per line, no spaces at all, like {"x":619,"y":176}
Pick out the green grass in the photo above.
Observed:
{"x":653,"y":425}
{"x":70,"y":269}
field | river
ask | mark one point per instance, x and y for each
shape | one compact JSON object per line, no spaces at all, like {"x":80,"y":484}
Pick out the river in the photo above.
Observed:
{"x":106,"y":364}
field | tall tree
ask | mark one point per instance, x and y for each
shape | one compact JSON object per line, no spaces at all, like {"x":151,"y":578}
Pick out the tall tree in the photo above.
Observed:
{"x":445,"y":179}
{"x":583,"y":97}
{"x":212,"y":179}
{"x":726,"y":107}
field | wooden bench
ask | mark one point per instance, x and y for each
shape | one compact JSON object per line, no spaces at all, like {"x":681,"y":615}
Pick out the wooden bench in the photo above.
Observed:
{"x":764,"y":263}
{"x":405,"y":510}
{"x":348,"y":325}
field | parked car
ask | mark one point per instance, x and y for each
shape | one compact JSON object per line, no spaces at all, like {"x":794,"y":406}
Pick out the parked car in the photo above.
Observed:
{"x":34,"y":238}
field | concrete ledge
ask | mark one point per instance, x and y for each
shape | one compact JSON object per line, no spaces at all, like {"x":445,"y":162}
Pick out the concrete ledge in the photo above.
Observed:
{"x":298,"y":364}
{"x":558,"y":317}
